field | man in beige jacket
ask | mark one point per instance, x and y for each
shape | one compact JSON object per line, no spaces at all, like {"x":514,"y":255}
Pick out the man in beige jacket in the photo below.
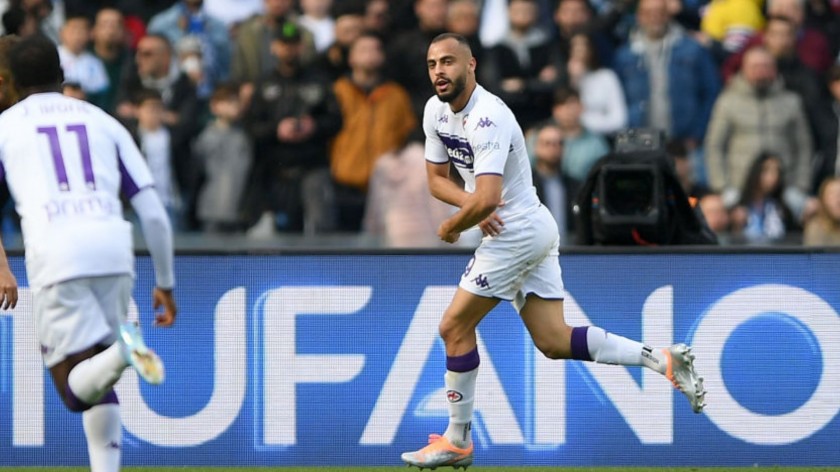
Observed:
{"x":754,"y":114}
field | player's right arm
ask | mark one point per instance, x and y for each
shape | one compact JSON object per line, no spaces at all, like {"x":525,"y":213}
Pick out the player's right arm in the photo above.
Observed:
{"x":154,"y":222}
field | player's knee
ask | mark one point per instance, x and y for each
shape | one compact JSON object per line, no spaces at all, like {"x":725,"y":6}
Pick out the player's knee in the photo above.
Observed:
{"x":450,"y":331}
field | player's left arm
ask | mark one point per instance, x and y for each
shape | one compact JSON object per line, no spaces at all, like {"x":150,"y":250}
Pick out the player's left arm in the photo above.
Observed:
{"x":475,"y":209}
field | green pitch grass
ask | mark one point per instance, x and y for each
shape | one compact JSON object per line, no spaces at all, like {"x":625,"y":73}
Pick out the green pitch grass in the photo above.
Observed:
{"x":444,"y":469}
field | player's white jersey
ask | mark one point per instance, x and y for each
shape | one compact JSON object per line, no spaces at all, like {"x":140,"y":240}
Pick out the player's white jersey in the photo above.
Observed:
{"x":65,"y":162}
{"x":483,"y":138}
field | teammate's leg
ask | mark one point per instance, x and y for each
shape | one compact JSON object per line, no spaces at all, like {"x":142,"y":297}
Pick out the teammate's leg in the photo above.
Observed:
{"x":457,"y":328}
{"x":81,"y":390}
{"x":554,"y":338}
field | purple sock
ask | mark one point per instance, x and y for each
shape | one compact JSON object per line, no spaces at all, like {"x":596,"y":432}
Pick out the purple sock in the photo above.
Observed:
{"x":580,"y":345}
{"x":465,"y":363}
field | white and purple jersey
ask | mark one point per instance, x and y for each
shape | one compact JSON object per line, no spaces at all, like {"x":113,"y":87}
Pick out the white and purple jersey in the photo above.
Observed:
{"x":483,"y":138}
{"x":66,"y":162}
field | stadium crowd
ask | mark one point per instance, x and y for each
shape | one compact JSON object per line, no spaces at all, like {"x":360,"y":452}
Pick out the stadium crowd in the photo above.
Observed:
{"x":263,"y":117}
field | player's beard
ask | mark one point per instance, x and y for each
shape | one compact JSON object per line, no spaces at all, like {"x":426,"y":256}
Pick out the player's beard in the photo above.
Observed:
{"x":458,"y":86}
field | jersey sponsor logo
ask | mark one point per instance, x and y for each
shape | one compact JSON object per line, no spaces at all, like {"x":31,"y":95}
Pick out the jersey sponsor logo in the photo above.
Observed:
{"x":481,"y":281}
{"x":485,"y":122}
{"x":453,"y":396}
{"x":458,"y":149}
{"x":93,"y":205}
{"x":487,"y":146}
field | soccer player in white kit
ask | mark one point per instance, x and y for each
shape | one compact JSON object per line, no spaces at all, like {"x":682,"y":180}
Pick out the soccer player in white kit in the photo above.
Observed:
{"x":66,"y":162}
{"x":517,"y":259}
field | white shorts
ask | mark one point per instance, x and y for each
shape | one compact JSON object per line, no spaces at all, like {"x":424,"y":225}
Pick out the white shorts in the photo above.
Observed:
{"x":77,"y":314}
{"x":523,"y":259}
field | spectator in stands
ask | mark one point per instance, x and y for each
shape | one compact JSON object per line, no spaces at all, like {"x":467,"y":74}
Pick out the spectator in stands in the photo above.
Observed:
{"x":728,"y":25}
{"x":8,"y":94}
{"x":349,"y":25}
{"x":670,"y":80}
{"x":377,"y":118}
{"x":378,"y":17}
{"x":317,"y":19}
{"x":188,"y":18}
{"x":252,"y":57}
{"x":293,"y":115}
{"x":755,"y":113}
{"x":517,"y":62}
{"x":555,"y":190}
{"x":578,"y":16}
{"x":581,"y":147}
{"x":463,"y":17}
{"x":761,"y":215}
{"x":78,"y":64}
{"x":110,"y":45}
{"x":780,"y":41}
{"x":831,"y":154}
{"x":190,"y":59}
{"x":225,"y":153}
{"x":604,"y":106}
{"x":155,"y":68}
{"x":155,"y":142}
{"x":400,"y":209}
{"x":233,"y":12}
{"x":824,"y":228}
{"x":16,"y":21}
{"x":684,"y":168}
{"x":824,"y":16}
{"x":407,"y":52}
{"x":812,"y":47}
{"x":716,"y":216}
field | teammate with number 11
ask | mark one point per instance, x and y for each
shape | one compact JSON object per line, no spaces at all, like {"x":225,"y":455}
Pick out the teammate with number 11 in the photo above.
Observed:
{"x":66,"y":162}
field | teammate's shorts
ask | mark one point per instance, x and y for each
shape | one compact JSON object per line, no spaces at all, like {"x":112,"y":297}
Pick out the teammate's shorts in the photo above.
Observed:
{"x":77,"y":314}
{"x":523,"y":259}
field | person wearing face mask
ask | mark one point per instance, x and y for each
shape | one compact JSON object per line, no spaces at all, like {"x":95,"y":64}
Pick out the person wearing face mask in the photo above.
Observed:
{"x":755,"y":113}
{"x":189,"y":18}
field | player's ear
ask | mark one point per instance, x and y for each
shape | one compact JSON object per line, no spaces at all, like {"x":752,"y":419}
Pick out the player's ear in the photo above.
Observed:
{"x":472,"y":63}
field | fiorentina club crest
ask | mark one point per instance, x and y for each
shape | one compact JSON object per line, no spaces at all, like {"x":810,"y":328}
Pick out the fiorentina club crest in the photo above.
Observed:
{"x":453,"y":396}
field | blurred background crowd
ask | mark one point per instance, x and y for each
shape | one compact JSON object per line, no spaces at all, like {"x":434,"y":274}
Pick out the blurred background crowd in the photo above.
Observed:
{"x":262,"y":118}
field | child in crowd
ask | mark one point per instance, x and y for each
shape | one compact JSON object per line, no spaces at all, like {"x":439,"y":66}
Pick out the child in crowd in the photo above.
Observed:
{"x":224,"y":151}
{"x":155,"y":142}
{"x":78,"y":64}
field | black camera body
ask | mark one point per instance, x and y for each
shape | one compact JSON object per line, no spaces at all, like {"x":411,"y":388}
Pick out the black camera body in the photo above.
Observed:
{"x":632,"y":197}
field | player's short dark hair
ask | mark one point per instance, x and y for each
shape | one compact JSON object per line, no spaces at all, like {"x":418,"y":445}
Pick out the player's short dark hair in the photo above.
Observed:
{"x":457,"y":37}
{"x":34,"y":63}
